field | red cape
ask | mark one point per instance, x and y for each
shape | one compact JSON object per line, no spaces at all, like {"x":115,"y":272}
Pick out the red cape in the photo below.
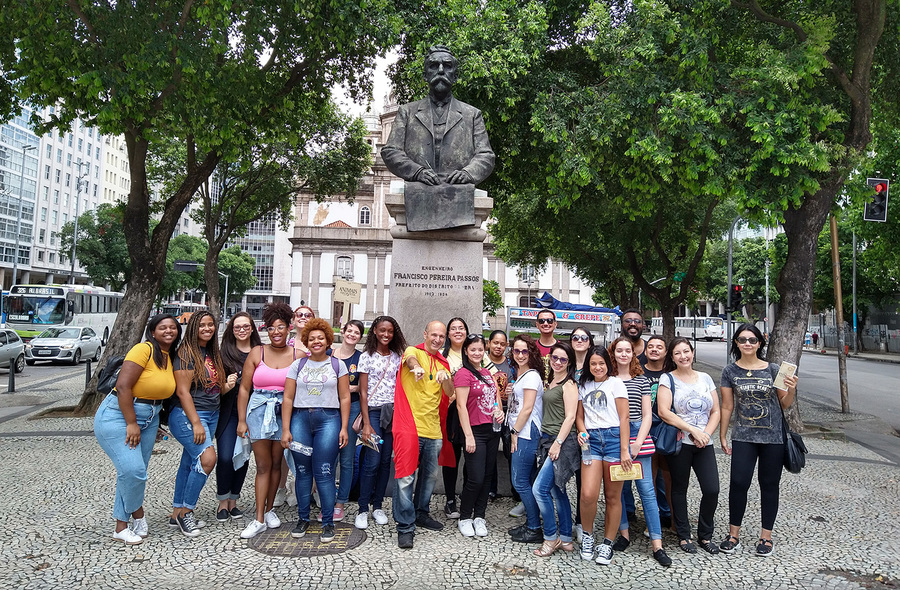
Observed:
{"x":406,"y":436}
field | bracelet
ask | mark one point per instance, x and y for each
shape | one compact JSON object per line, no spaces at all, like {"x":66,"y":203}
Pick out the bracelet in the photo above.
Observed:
{"x":559,"y":442}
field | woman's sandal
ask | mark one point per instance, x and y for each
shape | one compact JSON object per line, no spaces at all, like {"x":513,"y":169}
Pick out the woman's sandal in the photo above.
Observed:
{"x":548,"y":548}
{"x":708,"y":546}
{"x":765,"y":547}
{"x":567,"y":546}
{"x":687,"y":546}
{"x":730,"y":545}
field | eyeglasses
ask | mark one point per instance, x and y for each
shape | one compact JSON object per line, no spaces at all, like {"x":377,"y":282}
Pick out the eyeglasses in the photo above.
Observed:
{"x":558,"y":359}
{"x":276,"y":328}
{"x":304,"y":314}
{"x":242,"y":328}
{"x":750,"y":340}
{"x":579,"y":338}
{"x":633,"y":321}
{"x":521,"y":351}
{"x":471,"y":337}
{"x":546,"y":320}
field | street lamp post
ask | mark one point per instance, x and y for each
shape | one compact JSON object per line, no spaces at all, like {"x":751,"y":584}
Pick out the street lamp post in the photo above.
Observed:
{"x":25,"y":150}
{"x":78,"y":181}
{"x":728,"y":310}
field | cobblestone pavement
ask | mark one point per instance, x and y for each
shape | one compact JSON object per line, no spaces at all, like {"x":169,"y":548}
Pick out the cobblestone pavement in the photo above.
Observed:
{"x":837,"y":528}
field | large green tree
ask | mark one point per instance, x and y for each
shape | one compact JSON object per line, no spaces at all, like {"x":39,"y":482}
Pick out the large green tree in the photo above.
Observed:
{"x":217,"y":75}
{"x":101,"y":247}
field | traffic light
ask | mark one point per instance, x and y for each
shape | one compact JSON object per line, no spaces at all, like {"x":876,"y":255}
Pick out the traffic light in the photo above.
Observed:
{"x":734,"y":297}
{"x":876,"y":208}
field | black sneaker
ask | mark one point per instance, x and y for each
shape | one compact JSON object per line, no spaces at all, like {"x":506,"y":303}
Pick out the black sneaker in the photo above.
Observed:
{"x":425,"y":521}
{"x":188,"y":525}
{"x":662,"y":558}
{"x":621,"y":543}
{"x":518,"y":529}
{"x":222,"y":515}
{"x":405,"y":540}
{"x":451,"y":510}
{"x":300,"y":529}
{"x":327,"y":533}
{"x":529,"y":536}
{"x":236,"y":513}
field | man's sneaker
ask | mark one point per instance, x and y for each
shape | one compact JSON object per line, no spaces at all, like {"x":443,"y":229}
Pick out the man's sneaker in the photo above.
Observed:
{"x":140,"y":528}
{"x":362,"y":521}
{"x":300,"y":529}
{"x":466,"y":527}
{"x":200,"y":524}
{"x":529,"y":536}
{"x":587,"y":547}
{"x":327,"y":533}
{"x":451,"y":510}
{"x":380,"y":517}
{"x":480,"y":527}
{"x":765,"y":548}
{"x":128,"y":537}
{"x":518,"y":510}
{"x":729,"y":545}
{"x":405,"y":540}
{"x":280,"y":497}
{"x":272,"y":520}
{"x":254,"y":528}
{"x":187,"y":524}
{"x":338,"y":514}
{"x":236,"y":513}
{"x":621,"y":543}
{"x":425,"y":521}
{"x":604,"y":552}
{"x":223,"y":515}
{"x":517,"y":529}
{"x":578,"y":532}
{"x":662,"y":558}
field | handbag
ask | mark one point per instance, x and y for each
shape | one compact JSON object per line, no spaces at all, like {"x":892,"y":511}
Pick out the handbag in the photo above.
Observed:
{"x":666,"y":437}
{"x":794,"y":448}
{"x":357,"y":425}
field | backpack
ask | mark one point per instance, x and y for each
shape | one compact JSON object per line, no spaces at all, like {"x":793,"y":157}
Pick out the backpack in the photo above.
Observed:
{"x":109,"y":374}
{"x":334,"y":365}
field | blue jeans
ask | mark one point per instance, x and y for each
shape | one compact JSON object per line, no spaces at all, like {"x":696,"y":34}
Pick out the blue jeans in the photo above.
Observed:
{"x":522,"y":472}
{"x":376,"y":467}
{"x":131,"y":464}
{"x":647,"y":493}
{"x":190,"y":477}
{"x":406,"y":505}
{"x":547,"y":493}
{"x":347,"y":456}
{"x":229,"y":480}
{"x":320,"y":429}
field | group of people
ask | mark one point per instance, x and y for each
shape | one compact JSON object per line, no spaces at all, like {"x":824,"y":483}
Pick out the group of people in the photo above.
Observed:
{"x":563,"y":408}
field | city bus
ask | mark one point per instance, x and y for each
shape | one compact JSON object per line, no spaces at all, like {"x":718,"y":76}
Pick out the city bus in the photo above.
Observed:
{"x":182,"y":311}
{"x":707,"y":328}
{"x":31,"y":309}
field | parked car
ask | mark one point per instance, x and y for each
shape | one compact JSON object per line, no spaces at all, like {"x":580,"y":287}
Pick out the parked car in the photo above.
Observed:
{"x":12,"y":350}
{"x":70,"y":344}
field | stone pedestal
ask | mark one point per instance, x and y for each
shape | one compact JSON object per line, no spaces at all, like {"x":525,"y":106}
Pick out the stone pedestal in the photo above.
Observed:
{"x":437,"y":274}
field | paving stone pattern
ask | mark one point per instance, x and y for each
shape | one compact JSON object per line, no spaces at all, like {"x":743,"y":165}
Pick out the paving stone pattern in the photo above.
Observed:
{"x":837,"y":528}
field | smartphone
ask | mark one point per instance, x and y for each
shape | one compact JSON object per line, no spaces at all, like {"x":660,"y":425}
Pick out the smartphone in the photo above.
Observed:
{"x":785,"y":370}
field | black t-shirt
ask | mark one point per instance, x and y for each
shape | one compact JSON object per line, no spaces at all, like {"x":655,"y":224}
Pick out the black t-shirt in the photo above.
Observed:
{"x":757,"y":411}
{"x":205,"y":399}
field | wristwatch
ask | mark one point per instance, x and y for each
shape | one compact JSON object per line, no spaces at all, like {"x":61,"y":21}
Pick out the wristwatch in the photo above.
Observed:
{"x":513,"y":430}
{"x":559,"y":442}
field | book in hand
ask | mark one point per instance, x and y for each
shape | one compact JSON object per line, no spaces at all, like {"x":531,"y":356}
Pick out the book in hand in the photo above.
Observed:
{"x":616,"y":473}
{"x":785,"y":370}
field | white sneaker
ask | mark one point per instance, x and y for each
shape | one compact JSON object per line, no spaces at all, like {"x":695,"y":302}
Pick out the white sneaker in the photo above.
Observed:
{"x":466,"y":527}
{"x":480,"y":527}
{"x":362,"y":521}
{"x":379,"y":516}
{"x":254,"y":528}
{"x":140,"y":527}
{"x":280,"y":497}
{"x":578,"y":532}
{"x":272,"y":520}
{"x":518,"y":510}
{"x":128,"y":537}
{"x":587,"y":547}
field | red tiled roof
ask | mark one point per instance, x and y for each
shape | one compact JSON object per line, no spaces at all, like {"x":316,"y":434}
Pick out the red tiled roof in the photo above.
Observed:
{"x":338,"y":223}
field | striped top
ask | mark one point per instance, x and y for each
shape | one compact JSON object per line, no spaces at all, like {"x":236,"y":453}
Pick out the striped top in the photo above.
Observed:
{"x":637,"y":388}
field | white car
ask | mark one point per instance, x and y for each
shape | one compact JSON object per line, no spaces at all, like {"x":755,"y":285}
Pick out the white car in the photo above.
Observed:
{"x":12,"y":351}
{"x":70,"y":344}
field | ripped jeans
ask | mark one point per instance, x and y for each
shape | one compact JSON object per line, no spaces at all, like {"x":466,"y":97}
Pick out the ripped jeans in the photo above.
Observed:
{"x":318,"y":428}
{"x":190,"y":478}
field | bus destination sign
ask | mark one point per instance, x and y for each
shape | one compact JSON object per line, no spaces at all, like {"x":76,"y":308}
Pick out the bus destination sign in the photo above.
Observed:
{"x":35,"y":290}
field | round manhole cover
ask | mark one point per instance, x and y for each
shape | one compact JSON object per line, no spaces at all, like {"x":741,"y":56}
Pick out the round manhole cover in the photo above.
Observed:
{"x":280,"y":543}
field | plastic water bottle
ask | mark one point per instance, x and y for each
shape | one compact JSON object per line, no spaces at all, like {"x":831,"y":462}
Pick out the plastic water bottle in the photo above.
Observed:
{"x":585,"y":445}
{"x":301,"y":448}
{"x":375,"y":439}
{"x":495,"y":424}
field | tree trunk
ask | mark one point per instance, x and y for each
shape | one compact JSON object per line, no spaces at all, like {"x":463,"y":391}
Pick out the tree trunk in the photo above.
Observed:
{"x":211,"y":276}
{"x":668,"y":314}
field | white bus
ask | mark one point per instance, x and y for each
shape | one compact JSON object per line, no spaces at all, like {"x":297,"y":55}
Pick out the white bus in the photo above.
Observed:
{"x":707,"y":328}
{"x":31,"y":309}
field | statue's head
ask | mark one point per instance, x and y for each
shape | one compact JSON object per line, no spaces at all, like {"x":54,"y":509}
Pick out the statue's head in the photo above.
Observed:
{"x":440,"y":69}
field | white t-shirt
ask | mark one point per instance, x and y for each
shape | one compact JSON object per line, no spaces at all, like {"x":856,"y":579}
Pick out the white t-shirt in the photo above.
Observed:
{"x":599,"y":402}
{"x":317,"y":384}
{"x":693,"y":402}
{"x":528,"y":380}
{"x":382,"y":377}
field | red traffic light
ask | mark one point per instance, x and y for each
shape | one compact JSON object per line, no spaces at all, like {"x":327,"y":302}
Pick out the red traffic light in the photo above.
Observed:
{"x":738,"y":288}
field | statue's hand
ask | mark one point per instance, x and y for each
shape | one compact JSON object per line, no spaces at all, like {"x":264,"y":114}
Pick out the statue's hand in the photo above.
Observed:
{"x":460,"y":177}
{"x":428,"y":176}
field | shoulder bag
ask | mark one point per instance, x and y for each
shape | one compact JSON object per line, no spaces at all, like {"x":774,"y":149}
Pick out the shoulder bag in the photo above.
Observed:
{"x":666,"y":437}
{"x":794,"y":448}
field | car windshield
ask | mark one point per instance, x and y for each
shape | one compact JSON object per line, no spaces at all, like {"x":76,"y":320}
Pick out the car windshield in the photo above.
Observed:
{"x":61,"y":333}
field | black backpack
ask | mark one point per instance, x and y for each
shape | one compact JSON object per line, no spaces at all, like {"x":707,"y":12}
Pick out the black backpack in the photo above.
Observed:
{"x":109,"y":374}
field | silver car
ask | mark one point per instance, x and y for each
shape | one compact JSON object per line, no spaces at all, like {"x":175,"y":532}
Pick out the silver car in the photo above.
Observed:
{"x":69,"y":344}
{"x":12,"y":350}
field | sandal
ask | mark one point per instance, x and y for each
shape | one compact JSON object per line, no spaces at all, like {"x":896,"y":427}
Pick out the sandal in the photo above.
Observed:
{"x":765,"y":547}
{"x":687,"y":546}
{"x":730,"y":545}
{"x":708,"y":546}
{"x":548,"y":548}
{"x":567,"y":546}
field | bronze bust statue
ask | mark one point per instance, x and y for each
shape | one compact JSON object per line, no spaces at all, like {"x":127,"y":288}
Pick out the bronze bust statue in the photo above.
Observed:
{"x":440,"y":147}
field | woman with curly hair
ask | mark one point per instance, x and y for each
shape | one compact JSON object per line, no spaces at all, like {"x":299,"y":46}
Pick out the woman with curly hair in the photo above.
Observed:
{"x":315,"y":412}
{"x":199,"y":383}
{"x":265,"y":372}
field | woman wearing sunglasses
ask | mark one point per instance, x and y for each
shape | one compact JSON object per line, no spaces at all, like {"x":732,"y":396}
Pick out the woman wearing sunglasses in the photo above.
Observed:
{"x":582,"y":341}
{"x":748,"y":390}
{"x":558,"y":450}
{"x":457,"y":331}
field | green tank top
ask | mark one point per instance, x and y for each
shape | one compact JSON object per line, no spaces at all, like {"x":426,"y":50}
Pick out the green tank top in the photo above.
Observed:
{"x":554,"y":411}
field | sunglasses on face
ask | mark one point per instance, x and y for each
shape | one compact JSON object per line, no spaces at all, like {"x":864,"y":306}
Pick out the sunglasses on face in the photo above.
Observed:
{"x":750,"y":340}
{"x":632,"y":321}
{"x":520,"y":351}
{"x":546,"y":320}
{"x":579,"y":338}
{"x":558,"y":359}
{"x":304,"y":314}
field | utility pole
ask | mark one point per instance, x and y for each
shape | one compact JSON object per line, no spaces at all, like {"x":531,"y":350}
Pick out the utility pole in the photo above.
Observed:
{"x":855,"y":328}
{"x":839,"y":316}
{"x":25,"y":150}
{"x":78,"y":181}
{"x":728,"y":307}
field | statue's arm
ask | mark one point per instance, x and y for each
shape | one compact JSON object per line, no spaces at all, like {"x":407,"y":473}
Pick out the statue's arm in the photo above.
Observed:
{"x":394,"y":151}
{"x":482,"y":163}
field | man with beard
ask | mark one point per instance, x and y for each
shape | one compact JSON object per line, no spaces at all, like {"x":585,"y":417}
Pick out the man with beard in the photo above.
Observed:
{"x":632,"y":328}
